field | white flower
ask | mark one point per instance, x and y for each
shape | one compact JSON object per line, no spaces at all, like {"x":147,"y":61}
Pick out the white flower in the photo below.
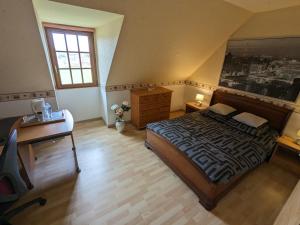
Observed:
{"x":125,"y":103}
{"x":119,"y":112}
{"x":114,"y":107}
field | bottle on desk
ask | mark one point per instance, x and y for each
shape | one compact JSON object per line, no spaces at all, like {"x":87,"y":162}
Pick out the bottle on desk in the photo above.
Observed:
{"x":47,"y":112}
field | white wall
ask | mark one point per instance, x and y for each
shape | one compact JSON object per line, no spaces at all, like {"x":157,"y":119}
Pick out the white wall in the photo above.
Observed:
{"x":104,"y":108}
{"x":177,"y":101}
{"x":277,"y":23}
{"x":20,"y":107}
{"x":23,"y":66}
{"x":83,"y":103}
{"x":107,"y":38}
{"x":293,"y":125}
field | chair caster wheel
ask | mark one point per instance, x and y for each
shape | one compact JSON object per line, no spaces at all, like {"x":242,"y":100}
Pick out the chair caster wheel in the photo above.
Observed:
{"x":78,"y":170}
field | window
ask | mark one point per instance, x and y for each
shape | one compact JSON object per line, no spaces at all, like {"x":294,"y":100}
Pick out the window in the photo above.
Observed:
{"x":72,"y":55}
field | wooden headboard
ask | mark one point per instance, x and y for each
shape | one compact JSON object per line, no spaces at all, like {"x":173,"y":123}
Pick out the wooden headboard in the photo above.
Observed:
{"x":276,"y":115}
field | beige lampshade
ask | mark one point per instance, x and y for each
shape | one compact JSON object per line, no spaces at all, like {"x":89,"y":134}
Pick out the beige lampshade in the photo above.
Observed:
{"x":199,"y":97}
{"x":298,"y":133}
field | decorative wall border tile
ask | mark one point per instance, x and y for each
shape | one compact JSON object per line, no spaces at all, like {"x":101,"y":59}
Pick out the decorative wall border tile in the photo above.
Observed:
{"x":51,"y":93}
{"x":123,"y":87}
{"x":279,"y":102}
{"x":26,"y":95}
{"x":201,"y":85}
{"x":204,"y":86}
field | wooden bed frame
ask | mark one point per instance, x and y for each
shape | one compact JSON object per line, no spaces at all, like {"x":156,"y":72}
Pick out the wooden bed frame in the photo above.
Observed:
{"x":210,"y":193}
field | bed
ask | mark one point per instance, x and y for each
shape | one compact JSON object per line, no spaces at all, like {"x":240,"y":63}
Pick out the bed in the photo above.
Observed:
{"x":210,"y":156}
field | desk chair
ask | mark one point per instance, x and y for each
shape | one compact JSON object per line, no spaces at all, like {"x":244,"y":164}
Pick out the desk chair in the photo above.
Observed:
{"x":12,"y":186}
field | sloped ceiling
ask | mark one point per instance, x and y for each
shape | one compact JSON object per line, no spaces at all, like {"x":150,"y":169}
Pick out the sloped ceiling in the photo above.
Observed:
{"x":260,"y":25}
{"x":166,"y":40}
{"x":23,"y":67}
{"x":264,"y":5}
{"x":49,"y":11}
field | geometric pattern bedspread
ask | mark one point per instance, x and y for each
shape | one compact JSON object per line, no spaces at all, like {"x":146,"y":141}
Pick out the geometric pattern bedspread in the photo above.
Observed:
{"x":220,"y":151}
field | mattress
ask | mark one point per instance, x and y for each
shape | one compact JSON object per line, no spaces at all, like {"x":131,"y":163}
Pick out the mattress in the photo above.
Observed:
{"x":219,"y":150}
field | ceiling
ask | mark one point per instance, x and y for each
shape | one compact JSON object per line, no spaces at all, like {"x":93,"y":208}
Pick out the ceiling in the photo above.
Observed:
{"x":59,"y":13}
{"x":264,"y":5}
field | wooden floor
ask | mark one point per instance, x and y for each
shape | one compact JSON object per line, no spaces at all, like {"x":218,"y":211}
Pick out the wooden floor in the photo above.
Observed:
{"x":124,"y":183}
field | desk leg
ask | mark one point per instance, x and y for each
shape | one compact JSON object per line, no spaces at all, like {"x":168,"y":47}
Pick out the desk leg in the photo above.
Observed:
{"x":24,"y":173}
{"x":75,"y":155}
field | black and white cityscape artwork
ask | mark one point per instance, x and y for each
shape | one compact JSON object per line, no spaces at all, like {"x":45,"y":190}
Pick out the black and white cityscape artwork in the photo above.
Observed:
{"x":269,"y":67}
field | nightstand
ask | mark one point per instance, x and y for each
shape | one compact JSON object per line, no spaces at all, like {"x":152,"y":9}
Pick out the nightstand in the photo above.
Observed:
{"x":193,"y":107}
{"x":287,"y":154}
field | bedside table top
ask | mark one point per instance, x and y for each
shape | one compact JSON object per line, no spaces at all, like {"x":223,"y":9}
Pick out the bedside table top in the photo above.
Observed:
{"x":288,"y":142}
{"x":196,"y":106}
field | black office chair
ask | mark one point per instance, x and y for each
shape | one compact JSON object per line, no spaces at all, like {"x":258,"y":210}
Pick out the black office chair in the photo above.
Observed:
{"x":12,"y":186}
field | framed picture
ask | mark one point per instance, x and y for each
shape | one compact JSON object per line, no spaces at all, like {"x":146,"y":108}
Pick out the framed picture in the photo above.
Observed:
{"x":269,"y":67}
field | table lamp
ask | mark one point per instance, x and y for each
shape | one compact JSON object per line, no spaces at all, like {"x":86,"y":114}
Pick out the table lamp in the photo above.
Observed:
{"x":298,"y":139}
{"x":199,"y":99}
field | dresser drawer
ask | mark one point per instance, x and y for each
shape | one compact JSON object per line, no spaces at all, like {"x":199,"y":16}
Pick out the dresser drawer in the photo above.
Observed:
{"x":150,"y":118}
{"x":165,"y":98}
{"x":149,"y":99}
{"x":144,"y":120}
{"x":163,"y":109}
{"x":149,"y":106}
{"x":149,"y":112}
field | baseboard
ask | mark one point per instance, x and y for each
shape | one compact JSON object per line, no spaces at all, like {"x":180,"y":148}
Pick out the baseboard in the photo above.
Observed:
{"x":89,"y":120}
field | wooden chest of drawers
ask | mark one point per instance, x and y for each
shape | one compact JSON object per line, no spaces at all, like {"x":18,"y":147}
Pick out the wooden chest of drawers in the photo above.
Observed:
{"x":150,"y":106}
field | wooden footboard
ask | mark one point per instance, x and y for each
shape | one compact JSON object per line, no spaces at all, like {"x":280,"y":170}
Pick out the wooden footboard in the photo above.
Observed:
{"x":208,"y":192}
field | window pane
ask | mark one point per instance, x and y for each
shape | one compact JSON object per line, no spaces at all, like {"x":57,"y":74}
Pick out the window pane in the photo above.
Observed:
{"x":62,"y":60}
{"x":72,"y":42}
{"x":74,"y":60}
{"x":76,"y":75}
{"x":65,"y":76}
{"x":59,"y":42}
{"x":83,"y":43}
{"x":85,"y":60}
{"x":87,"y":76}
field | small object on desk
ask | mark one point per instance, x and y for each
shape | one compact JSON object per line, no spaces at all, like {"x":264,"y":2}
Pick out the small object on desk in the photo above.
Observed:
{"x":193,"y":107}
{"x":32,"y":120}
{"x":37,"y":105}
{"x":287,"y":154}
{"x":47,"y":111}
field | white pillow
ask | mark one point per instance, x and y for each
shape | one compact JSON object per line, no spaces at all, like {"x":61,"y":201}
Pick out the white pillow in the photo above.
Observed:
{"x":221,"y":109}
{"x":250,"y":119}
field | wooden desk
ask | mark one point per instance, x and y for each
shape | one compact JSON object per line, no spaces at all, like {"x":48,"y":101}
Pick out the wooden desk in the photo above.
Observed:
{"x":38,"y":133}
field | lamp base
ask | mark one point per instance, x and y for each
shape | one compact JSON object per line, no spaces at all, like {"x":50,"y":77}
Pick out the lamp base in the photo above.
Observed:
{"x":199,"y":103}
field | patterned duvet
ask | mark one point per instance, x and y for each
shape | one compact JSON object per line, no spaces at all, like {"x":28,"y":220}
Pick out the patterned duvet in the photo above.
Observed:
{"x":220,"y":151}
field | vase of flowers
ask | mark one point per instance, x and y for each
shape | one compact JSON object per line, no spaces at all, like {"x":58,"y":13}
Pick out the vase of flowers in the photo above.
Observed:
{"x":119,"y":112}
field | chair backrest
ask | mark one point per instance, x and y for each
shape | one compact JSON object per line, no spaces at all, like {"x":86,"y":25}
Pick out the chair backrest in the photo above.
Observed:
{"x":9,"y":171}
